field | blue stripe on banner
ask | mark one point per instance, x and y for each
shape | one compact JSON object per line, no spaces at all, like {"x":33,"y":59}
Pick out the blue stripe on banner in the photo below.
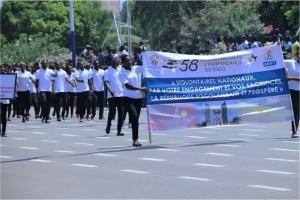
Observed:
{"x":203,"y":89}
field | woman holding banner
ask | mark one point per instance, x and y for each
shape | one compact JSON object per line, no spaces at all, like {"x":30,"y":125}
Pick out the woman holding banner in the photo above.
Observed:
{"x":293,"y":77}
{"x":132,"y":94}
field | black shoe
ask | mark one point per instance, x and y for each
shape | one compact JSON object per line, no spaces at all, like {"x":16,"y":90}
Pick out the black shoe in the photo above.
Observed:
{"x":295,"y":136}
{"x":120,"y":134}
{"x":58,"y":119}
{"x":92,"y":117}
{"x":136,"y":144}
{"x":107,"y":130}
{"x":67,"y":115}
{"x":23,"y":120}
{"x":47,"y":121}
{"x":4,"y":135}
{"x":36,"y":117}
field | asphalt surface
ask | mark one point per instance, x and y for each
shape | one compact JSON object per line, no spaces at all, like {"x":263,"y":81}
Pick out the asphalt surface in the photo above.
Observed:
{"x":72,"y":160}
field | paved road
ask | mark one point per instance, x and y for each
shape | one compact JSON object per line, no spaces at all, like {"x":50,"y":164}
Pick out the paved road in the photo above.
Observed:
{"x":72,"y":160}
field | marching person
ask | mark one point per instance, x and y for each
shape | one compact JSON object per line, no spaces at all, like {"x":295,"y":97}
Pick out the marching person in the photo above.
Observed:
{"x":23,"y":89}
{"x":98,"y":89}
{"x":114,"y":94}
{"x":83,"y":79}
{"x":60,"y":90}
{"x":44,"y":82}
{"x":71,"y":91}
{"x":293,"y":78}
{"x":132,"y":94}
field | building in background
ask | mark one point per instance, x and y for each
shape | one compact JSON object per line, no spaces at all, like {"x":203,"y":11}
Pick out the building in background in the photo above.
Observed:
{"x":113,"y":5}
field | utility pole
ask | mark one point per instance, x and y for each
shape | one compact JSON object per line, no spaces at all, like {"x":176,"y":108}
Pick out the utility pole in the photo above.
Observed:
{"x":72,"y":34}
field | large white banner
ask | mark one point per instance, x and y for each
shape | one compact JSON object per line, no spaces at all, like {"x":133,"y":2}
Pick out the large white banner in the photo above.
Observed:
{"x":192,"y":91}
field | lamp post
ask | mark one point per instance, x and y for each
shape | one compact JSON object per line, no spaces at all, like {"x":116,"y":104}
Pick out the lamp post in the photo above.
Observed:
{"x":72,"y":34}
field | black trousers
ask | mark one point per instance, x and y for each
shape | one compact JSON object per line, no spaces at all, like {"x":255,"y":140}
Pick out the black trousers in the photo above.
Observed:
{"x":34,"y":102}
{"x":70,"y":102}
{"x":3,"y":120}
{"x":295,"y":96}
{"x":98,"y":99}
{"x":81,"y":103}
{"x":60,"y":98}
{"x":113,"y":103}
{"x":24,"y":100}
{"x":45,"y":98}
{"x":133,"y":107}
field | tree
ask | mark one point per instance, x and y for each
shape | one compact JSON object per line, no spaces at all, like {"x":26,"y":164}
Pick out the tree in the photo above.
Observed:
{"x":52,"y":17}
{"x":220,"y":18}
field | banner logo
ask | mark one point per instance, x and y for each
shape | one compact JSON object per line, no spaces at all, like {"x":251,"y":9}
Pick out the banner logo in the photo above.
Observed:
{"x":154,"y":59}
{"x":269,"y":59}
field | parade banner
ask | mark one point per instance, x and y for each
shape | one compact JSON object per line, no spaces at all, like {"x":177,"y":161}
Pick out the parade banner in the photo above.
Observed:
{"x":193,"y":91}
{"x":8,"y":86}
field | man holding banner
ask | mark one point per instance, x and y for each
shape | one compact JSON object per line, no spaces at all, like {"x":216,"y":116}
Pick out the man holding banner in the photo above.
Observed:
{"x":293,"y":78}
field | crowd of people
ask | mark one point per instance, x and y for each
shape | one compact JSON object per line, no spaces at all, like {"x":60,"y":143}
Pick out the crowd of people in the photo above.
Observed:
{"x":93,"y":84}
{"x":110,"y":78}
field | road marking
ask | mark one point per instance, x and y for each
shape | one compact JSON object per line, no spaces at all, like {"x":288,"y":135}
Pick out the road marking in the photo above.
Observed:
{"x":71,"y":135}
{"x":49,"y":141}
{"x":278,"y":149}
{"x":104,"y":154}
{"x":9,"y":131}
{"x":198,"y":137}
{"x":84,"y":143}
{"x":228,"y":145}
{"x":135,"y":171}
{"x":208,"y":165}
{"x":11,"y":125}
{"x":158,"y":134}
{"x":33,"y":148}
{"x":119,"y":146}
{"x":62,"y":151}
{"x":269,"y":187}
{"x":275,"y":172}
{"x":220,"y":154}
{"x":153,"y":159}
{"x":19,"y":138}
{"x":252,"y":129}
{"x":89,"y":130}
{"x":38,"y":160}
{"x":248,"y":134}
{"x":205,"y":131}
{"x":40,"y":133}
{"x":194,"y":178}
{"x":103,"y":137}
{"x":284,"y":160}
{"x":259,"y":126}
{"x":62,"y":128}
{"x":6,"y":157}
{"x":34,"y":126}
{"x":1,"y":145}
{"x":168,"y":150}
{"x":293,"y":142}
{"x":82,"y":165}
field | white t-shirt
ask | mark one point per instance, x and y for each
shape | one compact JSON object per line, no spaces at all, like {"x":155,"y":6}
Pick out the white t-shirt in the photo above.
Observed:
{"x":112,"y":75}
{"x":32,"y":86}
{"x":84,"y":75}
{"x":71,"y":78}
{"x":293,"y":70}
{"x":23,"y":81}
{"x":132,"y":78}
{"x":45,"y":79}
{"x":98,"y":77}
{"x":60,"y":81}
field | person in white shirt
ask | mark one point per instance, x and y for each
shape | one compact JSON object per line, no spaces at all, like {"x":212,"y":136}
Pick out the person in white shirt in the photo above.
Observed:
{"x":60,"y":89}
{"x":23,"y":89}
{"x":83,"y":79}
{"x":132,"y":94}
{"x":114,"y":94}
{"x":71,"y":91}
{"x":33,"y":96}
{"x":4,"y":105}
{"x":44,"y":82}
{"x":98,"y":89}
{"x":293,"y":78}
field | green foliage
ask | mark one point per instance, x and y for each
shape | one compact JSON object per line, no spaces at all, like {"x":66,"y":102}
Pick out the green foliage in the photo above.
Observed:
{"x":219,"y":18}
{"x":30,"y":49}
{"x":52,"y":17}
